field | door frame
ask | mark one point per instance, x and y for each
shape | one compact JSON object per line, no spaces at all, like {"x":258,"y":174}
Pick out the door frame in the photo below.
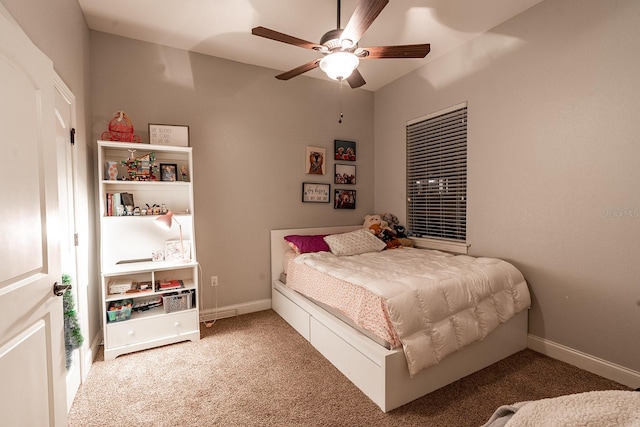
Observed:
{"x":80,"y":274}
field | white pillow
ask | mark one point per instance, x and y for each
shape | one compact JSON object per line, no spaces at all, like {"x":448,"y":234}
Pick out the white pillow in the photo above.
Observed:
{"x":354,"y":243}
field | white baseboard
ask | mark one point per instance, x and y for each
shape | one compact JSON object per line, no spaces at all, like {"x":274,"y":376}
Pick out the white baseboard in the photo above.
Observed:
{"x":95,"y":345}
{"x":589,"y":363}
{"x":89,"y":353}
{"x":234,"y":310}
{"x":88,"y":362}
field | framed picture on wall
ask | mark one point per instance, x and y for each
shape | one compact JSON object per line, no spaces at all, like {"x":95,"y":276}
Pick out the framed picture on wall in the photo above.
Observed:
{"x":344,"y":150}
{"x":315,"y":192}
{"x":344,"y":199}
{"x":344,"y":174}
{"x":315,"y":160}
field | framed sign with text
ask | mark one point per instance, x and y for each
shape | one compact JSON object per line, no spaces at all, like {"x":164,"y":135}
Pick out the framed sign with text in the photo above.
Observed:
{"x":169,"y":135}
{"x":314,"y":192}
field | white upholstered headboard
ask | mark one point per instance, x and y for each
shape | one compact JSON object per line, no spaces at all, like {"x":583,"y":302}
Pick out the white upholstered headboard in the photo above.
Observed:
{"x":279,"y":246}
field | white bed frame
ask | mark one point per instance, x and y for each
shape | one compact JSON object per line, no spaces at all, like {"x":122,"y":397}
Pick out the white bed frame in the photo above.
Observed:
{"x":379,"y":373}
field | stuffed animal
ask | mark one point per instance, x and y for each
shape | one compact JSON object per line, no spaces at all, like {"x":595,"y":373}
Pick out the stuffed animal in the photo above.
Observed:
{"x":379,"y":228}
{"x":393,"y":222}
{"x":375,"y":220}
{"x":405,"y":241}
{"x":390,"y":218}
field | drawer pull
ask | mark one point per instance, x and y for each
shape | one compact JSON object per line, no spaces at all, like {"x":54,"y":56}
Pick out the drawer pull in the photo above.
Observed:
{"x":176,"y":324}
{"x":131,"y":333}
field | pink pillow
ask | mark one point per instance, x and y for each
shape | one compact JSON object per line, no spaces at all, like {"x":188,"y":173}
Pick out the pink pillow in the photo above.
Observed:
{"x":303,"y":244}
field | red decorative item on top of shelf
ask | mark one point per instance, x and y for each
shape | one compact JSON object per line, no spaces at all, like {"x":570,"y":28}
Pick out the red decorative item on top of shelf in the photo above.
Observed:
{"x":120,"y":129}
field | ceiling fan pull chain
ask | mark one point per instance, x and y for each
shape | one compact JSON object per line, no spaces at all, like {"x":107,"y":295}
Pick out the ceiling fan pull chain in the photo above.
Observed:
{"x":340,"y":99}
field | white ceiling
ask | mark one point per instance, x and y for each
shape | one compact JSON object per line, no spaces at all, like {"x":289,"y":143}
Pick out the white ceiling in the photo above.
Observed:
{"x":222,"y":28}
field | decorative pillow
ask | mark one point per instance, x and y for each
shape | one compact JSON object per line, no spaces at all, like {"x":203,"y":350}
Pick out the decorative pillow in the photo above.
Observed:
{"x":303,"y":244}
{"x":354,"y":243}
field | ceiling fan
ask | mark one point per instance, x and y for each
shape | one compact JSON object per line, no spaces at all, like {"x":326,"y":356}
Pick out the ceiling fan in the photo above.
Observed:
{"x":339,"y":47}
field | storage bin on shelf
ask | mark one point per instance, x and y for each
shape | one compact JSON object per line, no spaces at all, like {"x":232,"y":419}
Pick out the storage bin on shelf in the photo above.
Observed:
{"x":119,"y":310}
{"x":177,"y":302}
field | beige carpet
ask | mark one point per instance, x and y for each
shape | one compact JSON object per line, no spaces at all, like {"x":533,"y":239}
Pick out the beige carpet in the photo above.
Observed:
{"x":255,"y":370}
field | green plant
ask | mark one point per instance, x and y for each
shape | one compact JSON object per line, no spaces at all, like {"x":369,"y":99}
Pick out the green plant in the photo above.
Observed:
{"x":73,"y":338}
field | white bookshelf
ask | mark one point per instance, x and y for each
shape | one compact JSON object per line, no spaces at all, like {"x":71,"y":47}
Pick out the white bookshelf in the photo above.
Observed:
{"x":126,"y":246}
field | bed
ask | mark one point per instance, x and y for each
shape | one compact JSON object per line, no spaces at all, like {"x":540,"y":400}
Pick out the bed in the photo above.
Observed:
{"x":380,"y":371}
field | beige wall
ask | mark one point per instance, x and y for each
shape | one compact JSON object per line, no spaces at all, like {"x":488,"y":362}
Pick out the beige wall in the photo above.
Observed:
{"x":60,"y":32}
{"x":553,"y":149}
{"x":249,"y":134}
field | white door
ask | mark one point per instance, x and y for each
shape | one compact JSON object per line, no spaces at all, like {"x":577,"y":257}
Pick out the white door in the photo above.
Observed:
{"x":32,"y":371}
{"x":64,"y":104}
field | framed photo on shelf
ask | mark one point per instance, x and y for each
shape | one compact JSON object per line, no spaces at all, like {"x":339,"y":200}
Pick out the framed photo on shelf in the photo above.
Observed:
{"x":344,"y":150}
{"x":344,"y":199}
{"x":169,"y":135}
{"x":168,"y":172}
{"x":344,"y":174}
{"x":315,"y":160}
{"x":172,"y":250}
{"x":315,"y":192}
{"x":127,"y":199}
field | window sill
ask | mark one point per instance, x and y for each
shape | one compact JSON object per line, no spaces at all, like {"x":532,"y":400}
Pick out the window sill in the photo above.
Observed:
{"x":441,"y":245}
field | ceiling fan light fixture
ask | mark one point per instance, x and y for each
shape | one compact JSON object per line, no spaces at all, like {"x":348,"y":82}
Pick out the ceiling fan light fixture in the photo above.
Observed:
{"x":339,"y":65}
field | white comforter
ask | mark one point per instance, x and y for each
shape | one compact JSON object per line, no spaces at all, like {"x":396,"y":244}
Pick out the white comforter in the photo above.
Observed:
{"x":437,"y":302}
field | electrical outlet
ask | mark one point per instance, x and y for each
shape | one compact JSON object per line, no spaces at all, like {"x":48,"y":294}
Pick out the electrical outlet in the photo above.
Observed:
{"x":214,"y":281}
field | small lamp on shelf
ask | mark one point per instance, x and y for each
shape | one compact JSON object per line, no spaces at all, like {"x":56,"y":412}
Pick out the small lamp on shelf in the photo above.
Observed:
{"x":165,"y":222}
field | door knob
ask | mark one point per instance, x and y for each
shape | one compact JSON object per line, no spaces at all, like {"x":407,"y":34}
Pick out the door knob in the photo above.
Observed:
{"x":58,"y":290}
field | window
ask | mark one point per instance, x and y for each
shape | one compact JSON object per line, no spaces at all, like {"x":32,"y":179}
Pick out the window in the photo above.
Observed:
{"x":437,"y":175}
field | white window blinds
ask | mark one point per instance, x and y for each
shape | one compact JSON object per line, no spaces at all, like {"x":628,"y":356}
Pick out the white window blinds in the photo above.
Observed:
{"x":437,"y":175}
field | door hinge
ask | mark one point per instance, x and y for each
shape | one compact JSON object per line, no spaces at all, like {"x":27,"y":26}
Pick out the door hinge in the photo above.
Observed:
{"x":75,"y":239}
{"x":73,"y":136}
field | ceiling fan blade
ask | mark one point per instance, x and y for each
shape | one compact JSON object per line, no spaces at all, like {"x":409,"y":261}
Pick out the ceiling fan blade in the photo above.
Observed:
{"x":298,"y":70}
{"x":363,"y":16}
{"x":399,"y":51}
{"x":284,"y":38}
{"x":356,"y":80}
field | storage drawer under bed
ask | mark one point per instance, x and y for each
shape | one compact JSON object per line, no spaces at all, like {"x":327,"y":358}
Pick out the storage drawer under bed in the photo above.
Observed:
{"x":292,"y":313}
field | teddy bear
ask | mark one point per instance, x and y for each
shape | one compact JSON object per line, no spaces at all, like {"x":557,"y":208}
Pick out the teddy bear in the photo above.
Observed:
{"x":377,"y":229}
{"x":375,"y":220}
{"x":380,"y":228}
